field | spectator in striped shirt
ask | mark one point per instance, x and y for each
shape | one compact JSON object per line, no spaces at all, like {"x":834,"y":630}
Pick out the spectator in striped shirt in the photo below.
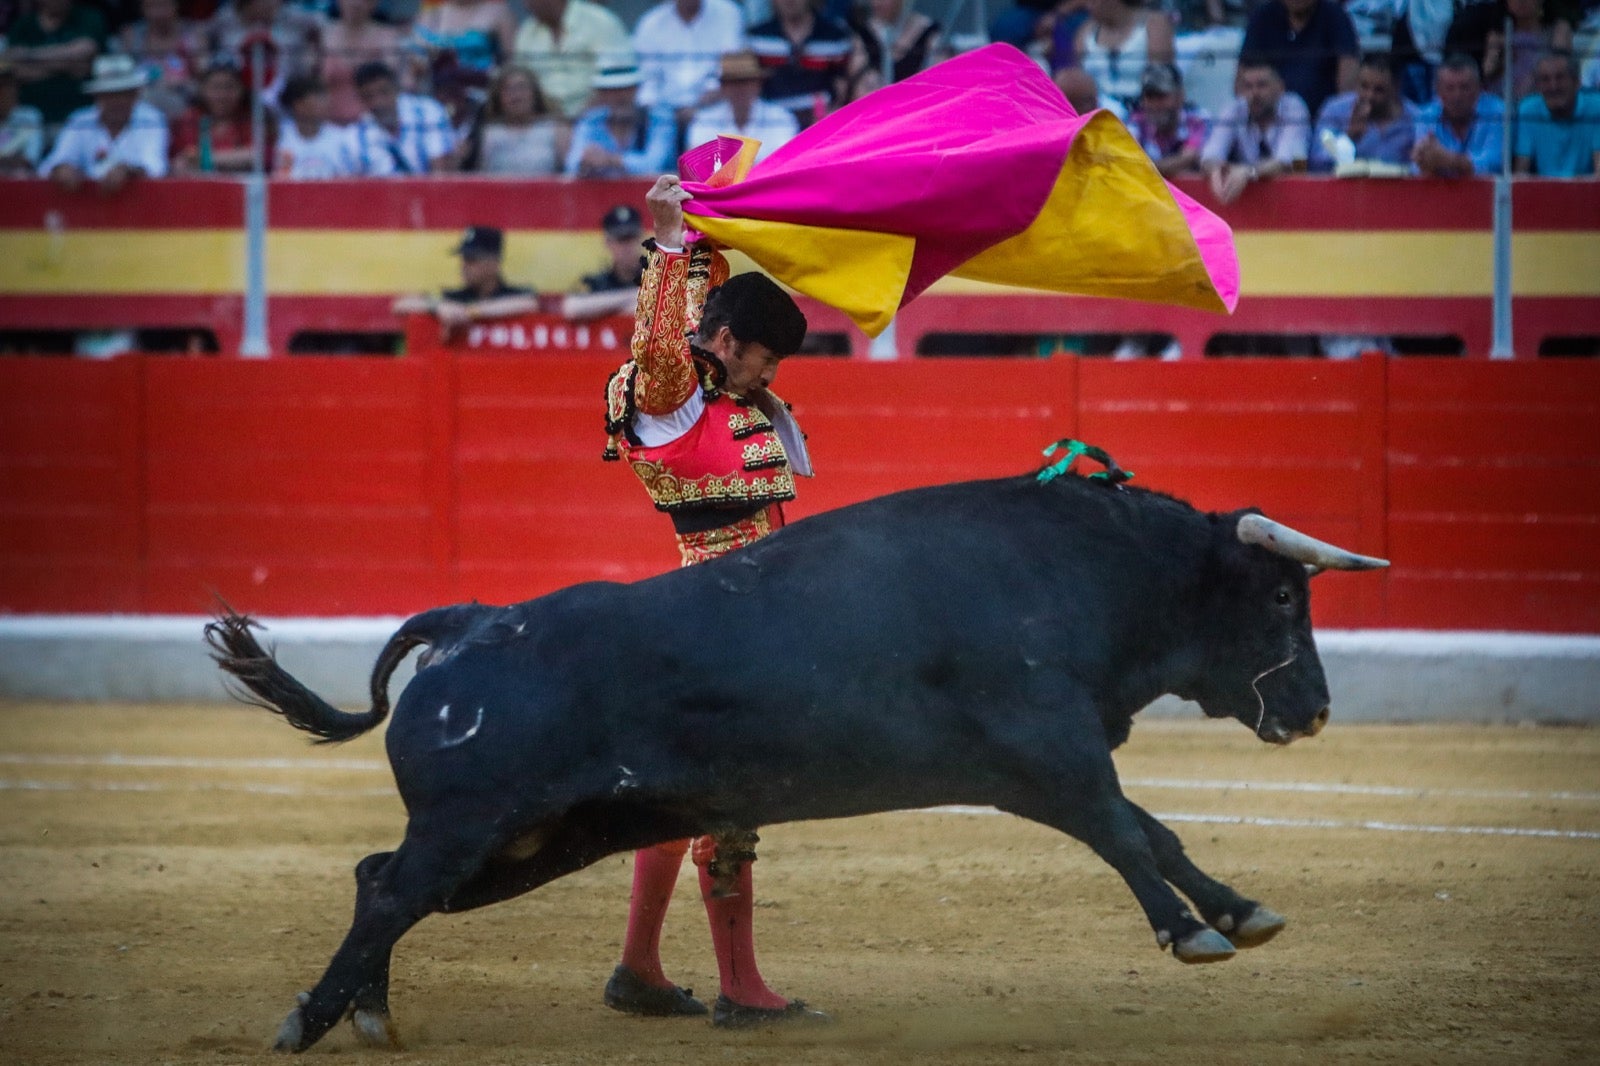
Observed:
{"x":400,"y":133}
{"x":806,"y":55}
{"x":1170,"y":131}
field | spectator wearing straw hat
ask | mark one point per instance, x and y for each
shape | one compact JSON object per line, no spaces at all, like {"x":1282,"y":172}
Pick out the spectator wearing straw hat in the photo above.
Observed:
{"x":617,"y":137}
{"x":21,"y":128}
{"x":741,"y":111}
{"x":115,"y":139}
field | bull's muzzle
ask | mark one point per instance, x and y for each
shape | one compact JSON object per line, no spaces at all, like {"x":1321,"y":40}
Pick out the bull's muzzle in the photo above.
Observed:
{"x":1275,"y":732}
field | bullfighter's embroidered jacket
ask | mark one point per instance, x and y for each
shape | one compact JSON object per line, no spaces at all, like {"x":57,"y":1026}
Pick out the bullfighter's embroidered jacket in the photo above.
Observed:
{"x":727,"y":470}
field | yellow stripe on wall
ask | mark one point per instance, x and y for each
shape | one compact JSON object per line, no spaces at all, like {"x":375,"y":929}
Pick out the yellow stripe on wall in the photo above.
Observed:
{"x":388,"y":262}
{"x":121,"y":262}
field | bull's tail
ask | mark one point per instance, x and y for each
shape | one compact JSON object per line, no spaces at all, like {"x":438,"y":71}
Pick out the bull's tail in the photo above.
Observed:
{"x":264,"y":683}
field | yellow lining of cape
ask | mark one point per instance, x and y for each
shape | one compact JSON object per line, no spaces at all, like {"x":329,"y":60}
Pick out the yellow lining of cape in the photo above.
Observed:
{"x":1106,"y":229}
{"x":861,"y":273}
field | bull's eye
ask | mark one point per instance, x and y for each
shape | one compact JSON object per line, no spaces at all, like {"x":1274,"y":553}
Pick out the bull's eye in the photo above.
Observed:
{"x":1282,"y":597}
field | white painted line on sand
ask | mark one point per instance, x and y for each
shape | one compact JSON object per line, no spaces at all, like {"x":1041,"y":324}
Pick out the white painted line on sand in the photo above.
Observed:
{"x":189,"y":762}
{"x":13,"y":785}
{"x":1323,"y":823}
{"x":1340,"y":789}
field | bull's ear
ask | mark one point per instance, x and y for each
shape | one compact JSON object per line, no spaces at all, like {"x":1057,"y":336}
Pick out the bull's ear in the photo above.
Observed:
{"x":1312,"y":570}
{"x":1293,"y":544}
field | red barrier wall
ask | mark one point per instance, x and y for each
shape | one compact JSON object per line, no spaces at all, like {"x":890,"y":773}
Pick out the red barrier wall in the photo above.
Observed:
{"x":331,"y":487}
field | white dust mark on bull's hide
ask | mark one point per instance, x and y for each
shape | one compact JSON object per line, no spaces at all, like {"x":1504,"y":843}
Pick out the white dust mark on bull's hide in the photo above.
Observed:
{"x":1261,"y":702}
{"x":445,"y":739}
{"x":625,"y":782}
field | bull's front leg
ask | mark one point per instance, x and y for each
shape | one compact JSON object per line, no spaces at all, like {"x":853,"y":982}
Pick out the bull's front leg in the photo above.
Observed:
{"x":1244,"y":922}
{"x":1108,"y":824}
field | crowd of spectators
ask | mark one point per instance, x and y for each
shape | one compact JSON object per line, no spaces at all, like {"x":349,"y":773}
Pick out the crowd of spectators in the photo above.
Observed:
{"x":108,"y":90}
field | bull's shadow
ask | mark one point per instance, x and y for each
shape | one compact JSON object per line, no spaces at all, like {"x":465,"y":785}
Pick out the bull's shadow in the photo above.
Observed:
{"x":979,"y":643}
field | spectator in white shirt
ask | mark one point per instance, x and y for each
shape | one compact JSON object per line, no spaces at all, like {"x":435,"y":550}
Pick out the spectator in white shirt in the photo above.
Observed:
{"x":309,"y":146}
{"x":114,"y":140}
{"x":21,"y":128}
{"x":1262,"y":134}
{"x":680,"y":44}
{"x":400,"y":133}
{"x":741,"y":111}
{"x":566,"y":43}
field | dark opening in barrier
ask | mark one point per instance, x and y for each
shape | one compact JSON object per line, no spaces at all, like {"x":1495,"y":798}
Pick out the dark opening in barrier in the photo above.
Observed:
{"x":341,"y":342}
{"x":1045,"y":345}
{"x":104,"y":343}
{"x":1579,"y":347}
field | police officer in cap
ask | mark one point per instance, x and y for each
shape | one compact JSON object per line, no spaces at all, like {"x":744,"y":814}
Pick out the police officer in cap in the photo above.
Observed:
{"x":484,"y":293}
{"x":613,"y":290}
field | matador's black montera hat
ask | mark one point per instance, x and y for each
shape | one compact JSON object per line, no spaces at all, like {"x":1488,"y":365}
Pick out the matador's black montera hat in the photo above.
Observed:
{"x":758,"y":311}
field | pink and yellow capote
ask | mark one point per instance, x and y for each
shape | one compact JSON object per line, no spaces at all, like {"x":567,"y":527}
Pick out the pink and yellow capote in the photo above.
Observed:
{"x":977,"y":167}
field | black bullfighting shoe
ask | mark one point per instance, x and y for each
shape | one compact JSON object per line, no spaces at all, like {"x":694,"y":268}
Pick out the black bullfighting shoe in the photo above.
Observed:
{"x":628,"y":993}
{"x":730,"y":1015}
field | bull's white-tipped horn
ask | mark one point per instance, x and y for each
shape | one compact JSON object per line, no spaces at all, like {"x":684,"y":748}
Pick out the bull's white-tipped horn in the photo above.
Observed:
{"x":1293,"y":544}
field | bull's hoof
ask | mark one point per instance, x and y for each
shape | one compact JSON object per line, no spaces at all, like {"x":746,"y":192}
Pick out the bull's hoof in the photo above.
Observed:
{"x":1203,"y":945}
{"x":730,"y":1015}
{"x":291,"y":1037}
{"x":375,"y":1029}
{"x":628,"y":993}
{"x":1260,"y":926}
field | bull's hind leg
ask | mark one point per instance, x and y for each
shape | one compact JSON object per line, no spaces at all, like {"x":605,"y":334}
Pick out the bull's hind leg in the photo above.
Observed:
{"x":1244,"y":922}
{"x":369,"y":1009}
{"x":393,"y":893}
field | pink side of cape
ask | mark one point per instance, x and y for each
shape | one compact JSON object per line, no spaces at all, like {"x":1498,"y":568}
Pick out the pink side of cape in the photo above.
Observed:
{"x":961,"y":157}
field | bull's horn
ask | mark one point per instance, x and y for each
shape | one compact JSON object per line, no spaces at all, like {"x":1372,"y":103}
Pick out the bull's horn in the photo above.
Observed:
{"x":1293,"y":544}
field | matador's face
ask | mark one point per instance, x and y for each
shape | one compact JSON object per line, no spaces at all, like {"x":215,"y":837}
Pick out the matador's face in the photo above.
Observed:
{"x":750,"y":365}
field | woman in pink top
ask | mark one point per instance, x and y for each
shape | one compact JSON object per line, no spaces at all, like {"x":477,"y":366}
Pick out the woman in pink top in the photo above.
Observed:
{"x":346,"y":44}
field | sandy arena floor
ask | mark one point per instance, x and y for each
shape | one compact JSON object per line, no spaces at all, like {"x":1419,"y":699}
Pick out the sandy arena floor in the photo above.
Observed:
{"x":171,"y":876}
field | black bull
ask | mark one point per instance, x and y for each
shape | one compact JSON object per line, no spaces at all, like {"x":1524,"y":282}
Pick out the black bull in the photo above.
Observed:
{"x":977,"y":643}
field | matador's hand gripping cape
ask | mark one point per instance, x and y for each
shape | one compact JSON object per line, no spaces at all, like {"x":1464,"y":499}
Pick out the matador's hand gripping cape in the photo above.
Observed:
{"x":976,"y":167}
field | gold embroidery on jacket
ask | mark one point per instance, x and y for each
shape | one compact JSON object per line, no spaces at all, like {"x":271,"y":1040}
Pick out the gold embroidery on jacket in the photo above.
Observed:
{"x":671,"y":492}
{"x":760,"y":453}
{"x":748,"y":421}
{"x":660,"y":347}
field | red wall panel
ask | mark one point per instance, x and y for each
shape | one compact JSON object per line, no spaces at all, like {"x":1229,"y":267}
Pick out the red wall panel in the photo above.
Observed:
{"x":301,"y":486}
{"x":378,"y":486}
{"x":1494,"y":494}
{"x":71,"y":479}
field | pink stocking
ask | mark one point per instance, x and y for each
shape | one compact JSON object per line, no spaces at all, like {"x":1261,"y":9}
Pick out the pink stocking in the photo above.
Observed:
{"x":655,"y":874}
{"x":733,"y":938}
